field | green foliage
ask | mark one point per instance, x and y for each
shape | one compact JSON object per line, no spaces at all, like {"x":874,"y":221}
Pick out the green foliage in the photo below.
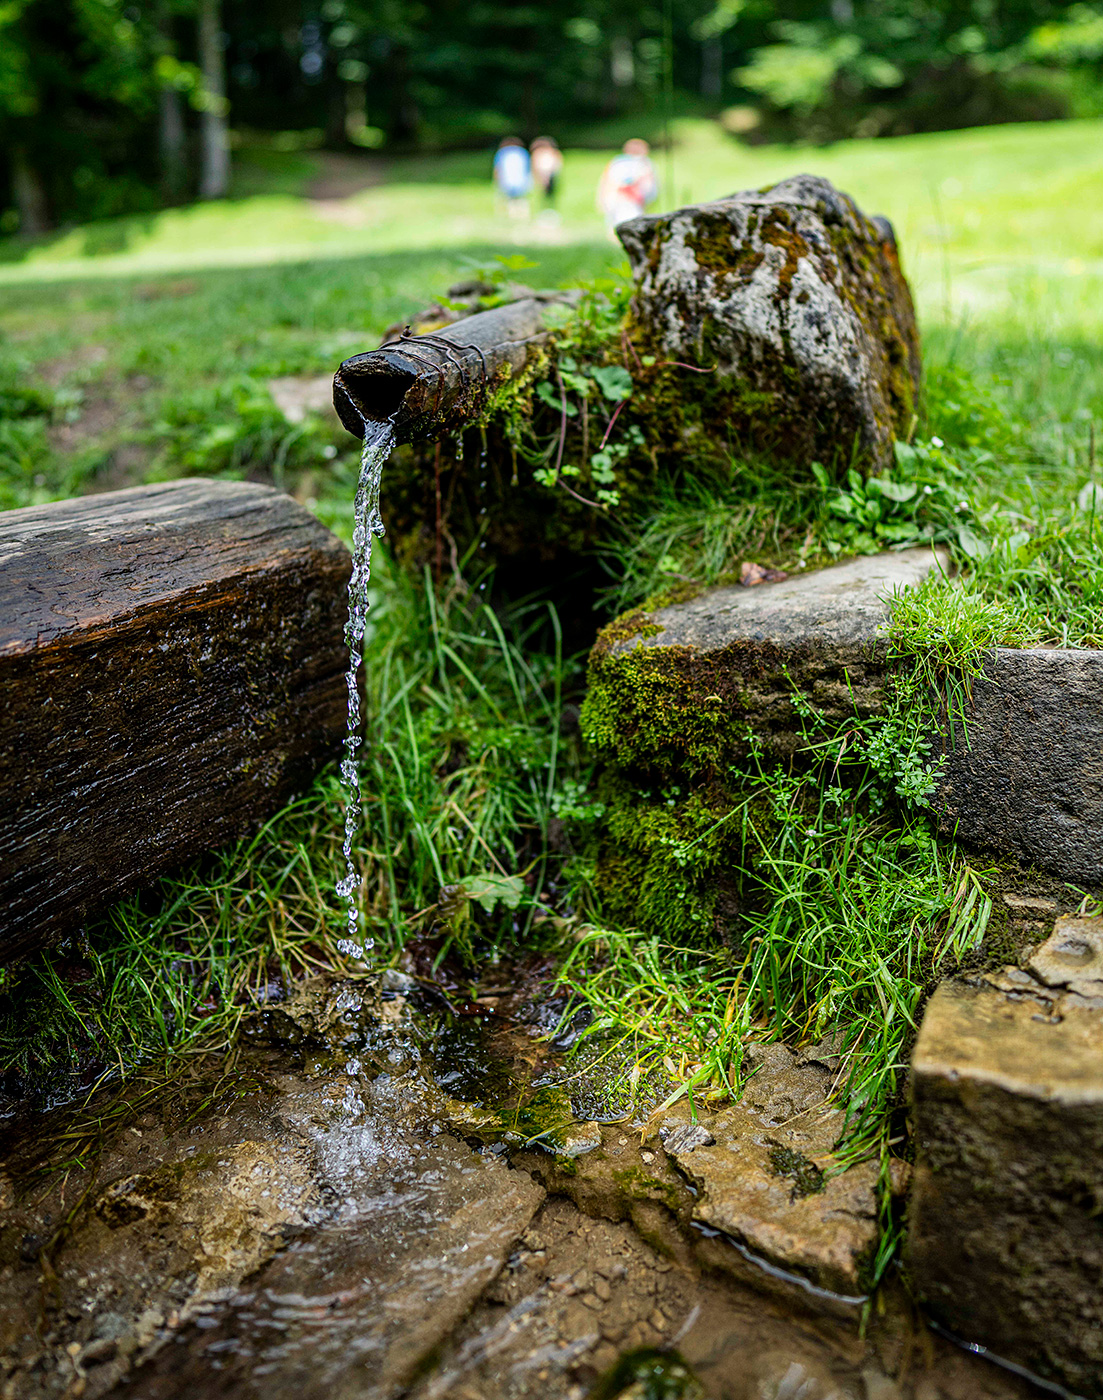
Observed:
{"x":175,"y":969}
{"x":921,"y":501}
{"x":947,"y":629}
{"x":569,"y":426}
{"x":234,"y":427}
{"x":885,"y":68}
{"x":459,"y":783}
{"x":30,"y":471}
{"x":700,"y":528}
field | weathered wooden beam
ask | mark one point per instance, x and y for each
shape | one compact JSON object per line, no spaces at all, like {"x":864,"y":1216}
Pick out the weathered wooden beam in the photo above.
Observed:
{"x":171,"y":663}
{"x":437,"y":384}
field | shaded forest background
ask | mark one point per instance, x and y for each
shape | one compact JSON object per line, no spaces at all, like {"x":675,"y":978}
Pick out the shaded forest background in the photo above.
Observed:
{"x":115,"y":106}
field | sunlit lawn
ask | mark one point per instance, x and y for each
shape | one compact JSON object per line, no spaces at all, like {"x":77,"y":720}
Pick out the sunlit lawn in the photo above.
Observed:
{"x":970,"y":207}
{"x":164,"y":329}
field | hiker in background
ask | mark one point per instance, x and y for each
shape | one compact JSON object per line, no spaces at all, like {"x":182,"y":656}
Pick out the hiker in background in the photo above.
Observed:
{"x":547,"y":164}
{"x":628,"y":184}
{"x":513,"y":176}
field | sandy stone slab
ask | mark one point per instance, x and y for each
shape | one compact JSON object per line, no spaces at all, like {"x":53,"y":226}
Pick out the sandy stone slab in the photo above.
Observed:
{"x":1005,"y":1238}
{"x":766,"y":1175}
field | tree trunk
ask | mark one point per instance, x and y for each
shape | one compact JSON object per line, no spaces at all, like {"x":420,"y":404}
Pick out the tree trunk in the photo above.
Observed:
{"x":174,"y":164}
{"x":171,"y":670}
{"x":405,"y":118}
{"x":712,"y":66}
{"x":337,"y":111}
{"x":214,"y":167}
{"x":29,"y":194}
{"x":171,"y":135}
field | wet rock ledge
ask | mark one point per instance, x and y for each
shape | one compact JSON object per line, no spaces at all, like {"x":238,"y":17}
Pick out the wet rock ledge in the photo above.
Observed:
{"x":328,"y":1220}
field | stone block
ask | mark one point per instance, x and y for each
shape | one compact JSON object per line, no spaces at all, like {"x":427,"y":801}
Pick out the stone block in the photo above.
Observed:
{"x":766,"y":1178}
{"x":1024,"y":774}
{"x":799,"y":301}
{"x":1005,"y":1234}
{"x":171,"y":670}
{"x":675,"y":690}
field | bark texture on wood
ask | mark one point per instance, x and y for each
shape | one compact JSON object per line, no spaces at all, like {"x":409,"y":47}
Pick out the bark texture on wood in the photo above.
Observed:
{"x":432,"y":389}
{"x":171,"y":668}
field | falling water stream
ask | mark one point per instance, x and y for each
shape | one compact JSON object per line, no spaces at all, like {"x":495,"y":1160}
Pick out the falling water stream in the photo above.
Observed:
{"x":379,"y":439}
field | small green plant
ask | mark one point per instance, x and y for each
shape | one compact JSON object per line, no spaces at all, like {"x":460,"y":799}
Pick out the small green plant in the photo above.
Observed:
{"x":921,"y":501}
{"x":947,"y":629}
{"x":234,"y":427}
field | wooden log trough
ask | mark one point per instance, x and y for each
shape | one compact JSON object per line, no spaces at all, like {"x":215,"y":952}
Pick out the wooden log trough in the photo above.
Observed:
{"x":171,"y":669}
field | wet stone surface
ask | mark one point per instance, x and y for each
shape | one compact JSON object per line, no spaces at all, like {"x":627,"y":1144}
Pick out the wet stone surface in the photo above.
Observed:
{"x":767,"y":1177}
{"x":338,"y":1227}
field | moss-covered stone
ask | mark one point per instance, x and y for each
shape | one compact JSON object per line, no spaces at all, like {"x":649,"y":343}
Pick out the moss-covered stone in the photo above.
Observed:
{"x":770,"y":324}
{"x":798,"y":302}
{"x":684,"y":701}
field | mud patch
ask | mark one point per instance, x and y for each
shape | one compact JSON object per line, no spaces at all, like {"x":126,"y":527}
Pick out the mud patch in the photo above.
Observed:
{"x":327,"y":1233}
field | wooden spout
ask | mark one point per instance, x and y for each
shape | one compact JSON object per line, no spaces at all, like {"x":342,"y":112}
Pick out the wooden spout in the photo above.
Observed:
{"x":432,"y":385}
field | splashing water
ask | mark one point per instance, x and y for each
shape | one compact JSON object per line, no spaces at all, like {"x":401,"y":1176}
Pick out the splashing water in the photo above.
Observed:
{"x":378,"y":443}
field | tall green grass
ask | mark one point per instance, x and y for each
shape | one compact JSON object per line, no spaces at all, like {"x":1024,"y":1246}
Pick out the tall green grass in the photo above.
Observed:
{"x":463,"y":762}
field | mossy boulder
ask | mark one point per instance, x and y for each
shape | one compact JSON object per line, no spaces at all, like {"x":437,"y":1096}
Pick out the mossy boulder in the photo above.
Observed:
{"x":799,"y":301}
{"x":683,"y":702}
{"x":772,"y":324}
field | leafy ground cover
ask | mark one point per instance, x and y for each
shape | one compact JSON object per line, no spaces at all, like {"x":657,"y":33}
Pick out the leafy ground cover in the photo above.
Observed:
{"x":481,"y":816}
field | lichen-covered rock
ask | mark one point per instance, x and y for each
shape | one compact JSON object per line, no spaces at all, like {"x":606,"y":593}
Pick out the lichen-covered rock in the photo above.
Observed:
{"x":799,"y":301}
{"x":1005,"y":1238}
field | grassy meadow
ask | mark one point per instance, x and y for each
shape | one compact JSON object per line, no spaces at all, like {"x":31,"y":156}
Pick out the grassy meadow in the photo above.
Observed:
{"x":141,"y":349}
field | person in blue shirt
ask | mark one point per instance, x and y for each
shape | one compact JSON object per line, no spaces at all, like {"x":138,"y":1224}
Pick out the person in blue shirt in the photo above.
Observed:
{"x":513,"y":176}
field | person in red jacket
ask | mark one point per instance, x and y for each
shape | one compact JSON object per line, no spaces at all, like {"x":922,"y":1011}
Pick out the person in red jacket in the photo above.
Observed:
{"x":628,"y":184}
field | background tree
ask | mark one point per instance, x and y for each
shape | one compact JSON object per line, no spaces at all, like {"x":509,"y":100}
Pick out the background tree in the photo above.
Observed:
{"x":214,"y":149}
{"x":108,"y":106}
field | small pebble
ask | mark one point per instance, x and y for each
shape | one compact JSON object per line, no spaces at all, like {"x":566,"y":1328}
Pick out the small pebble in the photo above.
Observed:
{"x":103,"y":1349}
